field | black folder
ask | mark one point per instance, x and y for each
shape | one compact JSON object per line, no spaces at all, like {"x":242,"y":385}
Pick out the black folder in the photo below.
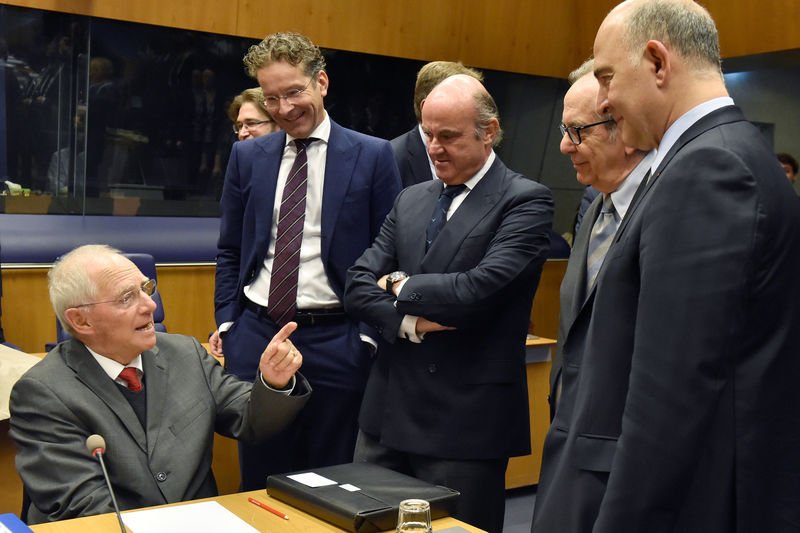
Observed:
{"x":371,"y":508}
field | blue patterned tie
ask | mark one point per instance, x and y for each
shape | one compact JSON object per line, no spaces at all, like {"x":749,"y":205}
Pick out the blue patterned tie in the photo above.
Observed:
{"x":439,"y":216}
{"x":600,"y":240}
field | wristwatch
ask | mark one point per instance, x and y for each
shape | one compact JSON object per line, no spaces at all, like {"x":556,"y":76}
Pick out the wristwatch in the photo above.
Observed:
{"x":394,"y":277}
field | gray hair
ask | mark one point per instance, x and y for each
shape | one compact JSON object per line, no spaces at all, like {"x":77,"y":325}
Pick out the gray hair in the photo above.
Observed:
{"x":686,"y":27}
{"x":485,"y":111}
{"x":587,"y":69}
{"x":69,"y":281}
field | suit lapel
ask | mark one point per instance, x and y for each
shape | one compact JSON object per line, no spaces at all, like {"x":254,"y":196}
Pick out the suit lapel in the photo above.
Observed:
{"x":574,"y":284}
{"x":264,"y":171}
{"x":339,"y":166}
{"x":155,"y":371}
{"x":472,"y":210}
{"x":724,"y":115}
{"x":86,"y":369}
{"x":415,"y":216}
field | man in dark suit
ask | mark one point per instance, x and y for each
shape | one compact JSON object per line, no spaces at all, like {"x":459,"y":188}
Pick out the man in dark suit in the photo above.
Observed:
{"x":409,"y":149}
{"x":679,"y":405}
{"x":158,"y":423}
{"x":298,"y":208}
{"x":447,"y":398}
{"x":605,"y":165}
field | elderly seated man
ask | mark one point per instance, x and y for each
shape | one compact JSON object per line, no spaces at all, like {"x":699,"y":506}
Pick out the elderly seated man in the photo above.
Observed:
{"x":156,"y":398}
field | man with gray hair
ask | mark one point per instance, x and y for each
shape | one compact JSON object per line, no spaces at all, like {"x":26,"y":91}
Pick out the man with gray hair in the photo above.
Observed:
{"x":679,"y":405}
{"x":155,"y":398}
{"x":601,"y":161}
{"x":449,"y":283}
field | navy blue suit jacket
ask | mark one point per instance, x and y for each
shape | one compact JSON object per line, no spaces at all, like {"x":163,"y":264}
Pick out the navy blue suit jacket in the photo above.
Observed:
{"x":679,"y":403}
{"x":412,"y":158}
{"x":361,"y":182}
{"x":478,"y":276}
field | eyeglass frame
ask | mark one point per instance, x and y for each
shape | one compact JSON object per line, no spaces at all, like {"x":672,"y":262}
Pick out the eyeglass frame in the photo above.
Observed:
{"x":274,"y":102}
{"x":248,"y":125}
{"x":147,"y":286}
{"x":567,"y":130}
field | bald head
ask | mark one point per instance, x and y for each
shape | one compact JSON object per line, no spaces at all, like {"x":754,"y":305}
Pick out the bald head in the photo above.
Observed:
{"x":460,"y":121}
{"x":655,"y":60}
{"x":432,"y":74}
{"x":683,"y":26}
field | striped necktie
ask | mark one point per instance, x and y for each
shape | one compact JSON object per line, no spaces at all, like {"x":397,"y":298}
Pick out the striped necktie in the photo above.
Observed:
{"x":600,"y":240}
{"x":282,"y":303}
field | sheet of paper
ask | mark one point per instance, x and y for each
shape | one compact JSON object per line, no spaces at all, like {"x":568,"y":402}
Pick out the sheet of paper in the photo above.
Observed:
{"x":311,"y":479}
{"x":348,"y":486}
{"x":202,"y":516}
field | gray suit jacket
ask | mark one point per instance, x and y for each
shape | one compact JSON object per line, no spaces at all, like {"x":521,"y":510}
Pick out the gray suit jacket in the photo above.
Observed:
{"x":66,"y":397}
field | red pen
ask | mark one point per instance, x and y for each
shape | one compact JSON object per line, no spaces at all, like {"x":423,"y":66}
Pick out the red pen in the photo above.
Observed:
{"x":268,"y":508}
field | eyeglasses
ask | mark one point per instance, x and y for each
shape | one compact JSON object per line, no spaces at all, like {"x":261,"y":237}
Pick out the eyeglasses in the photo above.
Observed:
{"x":574,"y":132}
{"x":239,"y":126}
{"x":292,"y":97}
{"x":129,"y":298}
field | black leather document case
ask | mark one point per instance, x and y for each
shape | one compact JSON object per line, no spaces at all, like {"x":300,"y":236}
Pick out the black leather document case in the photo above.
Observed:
{"x":373,"y":507}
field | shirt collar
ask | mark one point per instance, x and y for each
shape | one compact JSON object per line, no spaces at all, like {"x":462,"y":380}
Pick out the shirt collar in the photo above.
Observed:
{"x":684,"y":122}
{"x":473,"y":181}
{"x":113,"y":368}
{"x":321,"y":132}
{"x":623,"y":196}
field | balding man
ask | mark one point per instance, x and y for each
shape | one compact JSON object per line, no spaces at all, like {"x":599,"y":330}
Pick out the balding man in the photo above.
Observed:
{"x":595,"y":148}
{"x":156,"y":398}
{"x":410,"y":150}
{"x":449,"y":283}
{"x":679,"y":405}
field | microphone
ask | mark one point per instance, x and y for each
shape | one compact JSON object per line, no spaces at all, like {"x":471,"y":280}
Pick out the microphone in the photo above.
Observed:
{"x":97,"y":447}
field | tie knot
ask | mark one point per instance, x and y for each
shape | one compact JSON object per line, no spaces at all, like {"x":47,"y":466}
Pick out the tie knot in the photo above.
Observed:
{"x":453,"y":190}
{"x":608,"y":205}
{"x":131,"y":377}
{"x":302,"y":144}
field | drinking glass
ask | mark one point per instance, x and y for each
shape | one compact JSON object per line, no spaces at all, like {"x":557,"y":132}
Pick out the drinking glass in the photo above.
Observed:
{"x":414,"y":516}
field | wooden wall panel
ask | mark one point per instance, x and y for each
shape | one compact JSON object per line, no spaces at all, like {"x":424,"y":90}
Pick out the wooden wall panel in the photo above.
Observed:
{"x":540,"y":37}
{"x":415,"y":29}
{"x":520,"y":36}
{"x":217,"y":16}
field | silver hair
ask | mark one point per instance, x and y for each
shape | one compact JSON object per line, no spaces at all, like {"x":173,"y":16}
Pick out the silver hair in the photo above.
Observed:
{"x":587,"y":69}
{"x":486,"y":110}
{"x":686,"y":27}
{"x":69,"y":281}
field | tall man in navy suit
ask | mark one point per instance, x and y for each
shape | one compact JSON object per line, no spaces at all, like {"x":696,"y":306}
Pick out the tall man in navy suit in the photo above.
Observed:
{"x":449,"y":284}
{"x":409,"y":149}
{"x":269,"y":273}
{"x":679,"y":408}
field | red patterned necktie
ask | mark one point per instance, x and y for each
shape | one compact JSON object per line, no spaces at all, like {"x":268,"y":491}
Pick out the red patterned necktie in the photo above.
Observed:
{"x":131,"y":377}
{"x":282,"y":303}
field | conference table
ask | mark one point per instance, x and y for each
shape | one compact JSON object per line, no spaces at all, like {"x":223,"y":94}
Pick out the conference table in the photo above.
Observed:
{"x":260,"y":519}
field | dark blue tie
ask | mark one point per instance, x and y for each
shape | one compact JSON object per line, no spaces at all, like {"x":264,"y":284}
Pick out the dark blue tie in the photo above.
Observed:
{"x":439,"y":216}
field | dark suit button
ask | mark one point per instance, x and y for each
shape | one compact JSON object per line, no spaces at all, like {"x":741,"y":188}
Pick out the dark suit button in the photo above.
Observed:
{"x":432,"y":368}
{"x":161,"y":476}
